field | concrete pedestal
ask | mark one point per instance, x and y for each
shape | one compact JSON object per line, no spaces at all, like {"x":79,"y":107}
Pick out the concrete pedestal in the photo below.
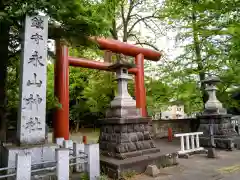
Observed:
{"x":39,"y":154}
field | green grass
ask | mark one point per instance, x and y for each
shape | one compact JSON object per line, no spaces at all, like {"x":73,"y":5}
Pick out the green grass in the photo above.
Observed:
{"x":92,"y":136}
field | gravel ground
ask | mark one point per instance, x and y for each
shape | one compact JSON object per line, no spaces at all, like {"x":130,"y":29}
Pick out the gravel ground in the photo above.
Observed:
{"x":197,"y":167}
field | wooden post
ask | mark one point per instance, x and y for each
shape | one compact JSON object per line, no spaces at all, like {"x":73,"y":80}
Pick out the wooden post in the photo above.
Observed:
{"x":61,"y":85}
{"x":139,"y":85}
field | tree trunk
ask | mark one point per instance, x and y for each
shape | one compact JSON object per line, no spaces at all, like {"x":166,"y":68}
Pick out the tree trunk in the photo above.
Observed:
{"x":199,"y":59}
{"x":4,"y":41}
{"x":114,"y":30}
{"x":77,"y":126}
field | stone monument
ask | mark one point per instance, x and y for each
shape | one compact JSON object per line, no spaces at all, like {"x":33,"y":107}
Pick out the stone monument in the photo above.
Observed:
{"x":31,"y":125}
{"x":215,"y":123}
{"x":124,"y":134}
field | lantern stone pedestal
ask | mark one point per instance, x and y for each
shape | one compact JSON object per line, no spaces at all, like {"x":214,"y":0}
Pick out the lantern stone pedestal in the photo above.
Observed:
{"x":125,"y":141}
{"x":122,"y":138}
{"x":215,"y":123}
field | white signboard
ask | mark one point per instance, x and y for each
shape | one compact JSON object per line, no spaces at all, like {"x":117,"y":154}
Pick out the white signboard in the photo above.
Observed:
{"x":32,"y":111}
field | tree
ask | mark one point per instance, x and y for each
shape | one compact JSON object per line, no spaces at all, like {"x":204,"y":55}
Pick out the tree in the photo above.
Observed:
{"x":203,"y":33}
{"x":132,"y":17}
{"x":158,"y":95}
{"x":78,"y":20}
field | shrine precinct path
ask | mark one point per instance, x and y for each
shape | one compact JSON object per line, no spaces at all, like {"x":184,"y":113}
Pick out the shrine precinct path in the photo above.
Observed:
{"x":196,"y":167}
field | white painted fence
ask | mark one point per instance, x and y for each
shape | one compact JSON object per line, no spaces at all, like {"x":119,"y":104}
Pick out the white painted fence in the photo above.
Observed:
{"x":191,"y":140}
{"x":84,"y":157}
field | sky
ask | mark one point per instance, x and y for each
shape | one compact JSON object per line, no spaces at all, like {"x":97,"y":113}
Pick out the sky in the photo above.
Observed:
{"x":164,"y":43}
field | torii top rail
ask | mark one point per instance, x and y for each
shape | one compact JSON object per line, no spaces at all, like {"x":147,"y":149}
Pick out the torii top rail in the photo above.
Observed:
{"x":61,"y":87}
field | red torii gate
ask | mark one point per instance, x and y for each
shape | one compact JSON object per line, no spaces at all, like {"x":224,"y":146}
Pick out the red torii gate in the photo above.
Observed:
{"x":61,"y":82}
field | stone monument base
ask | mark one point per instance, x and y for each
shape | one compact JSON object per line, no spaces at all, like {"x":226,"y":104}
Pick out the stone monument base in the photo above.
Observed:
{"x":40,"y":153}
{"x":126,"y":145}
{"x":228,"y":143}
{"x":225,"y":136}
{"x":122,"y":138}
{"x":116,"y":168}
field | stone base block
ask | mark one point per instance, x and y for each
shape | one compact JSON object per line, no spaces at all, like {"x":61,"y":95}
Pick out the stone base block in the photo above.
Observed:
{"x":115,"y":168}
{"x":132,"y":154}
{"x":40,"y":153}
{"x":221,"y":143}
{"x":123,"y":138}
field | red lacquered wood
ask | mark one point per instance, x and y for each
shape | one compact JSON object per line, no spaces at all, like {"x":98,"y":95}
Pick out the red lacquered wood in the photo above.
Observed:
{"x":91,"y":64}
{"x":127,"y":49}
{"x":61,"y":88}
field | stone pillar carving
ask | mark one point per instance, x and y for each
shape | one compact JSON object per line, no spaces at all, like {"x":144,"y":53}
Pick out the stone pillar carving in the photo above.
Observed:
{"x":32,"y":110}
{"x":31,"y":127}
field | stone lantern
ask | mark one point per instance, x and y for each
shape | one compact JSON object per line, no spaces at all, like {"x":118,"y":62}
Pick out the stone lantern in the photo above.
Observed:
{"x":213,"y":105}
{"x":215,"y":123}
{"x":124,"y":134}
{"x":123,"y":105}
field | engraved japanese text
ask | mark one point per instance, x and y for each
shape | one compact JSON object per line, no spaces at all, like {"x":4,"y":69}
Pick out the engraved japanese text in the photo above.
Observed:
{"x":35,"y":82}
{"x":37,"y":38}
{"x":32,"y":101}
{"x":36,"y":59}
{"x":37,"y":22}
{"x":32,"y":124}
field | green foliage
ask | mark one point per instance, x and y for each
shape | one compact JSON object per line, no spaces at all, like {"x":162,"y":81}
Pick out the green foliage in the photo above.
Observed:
{"x":158,"y":95}
{"x":12,"y":85}
{"x":71,"y":20}
{"x":208,"y":32}
{"x":52,"y":101}
{"x":99,"y":92}
{"x":128,"y":174}
{"x":85,"y":176}
{"x":103,"y":177}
